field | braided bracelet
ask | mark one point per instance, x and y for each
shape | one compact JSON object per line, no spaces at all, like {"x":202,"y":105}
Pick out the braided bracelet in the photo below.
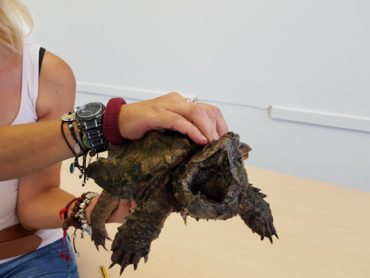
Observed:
{"x":79,"y":212}
{"x":77,"y":218}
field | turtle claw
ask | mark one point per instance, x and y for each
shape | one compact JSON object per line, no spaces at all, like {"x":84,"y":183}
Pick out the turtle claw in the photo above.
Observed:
{"x":128,"y":251}
{"x":105,"y":205}
{"x":126,"y":258}
{"x":260,"y":223}
{"x":256,"y":213}
{"x":98,"y":236}
{"x":122,"y":269}
{"x":184,"y":216}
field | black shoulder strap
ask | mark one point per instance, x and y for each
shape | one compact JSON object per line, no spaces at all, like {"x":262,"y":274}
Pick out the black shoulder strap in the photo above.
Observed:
{"x":41,"y":57}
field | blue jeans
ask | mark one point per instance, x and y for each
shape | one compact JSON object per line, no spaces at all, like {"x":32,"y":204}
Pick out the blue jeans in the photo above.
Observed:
{"x":44,"y":262}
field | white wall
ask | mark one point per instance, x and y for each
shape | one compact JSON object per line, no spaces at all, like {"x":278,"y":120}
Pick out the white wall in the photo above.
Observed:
{"x":309,"y":60}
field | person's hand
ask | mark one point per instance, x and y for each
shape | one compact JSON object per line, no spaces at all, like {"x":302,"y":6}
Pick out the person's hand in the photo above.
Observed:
{"x":202,"y":122}
{"x":118,"y":215}
{"x":124,"y":208}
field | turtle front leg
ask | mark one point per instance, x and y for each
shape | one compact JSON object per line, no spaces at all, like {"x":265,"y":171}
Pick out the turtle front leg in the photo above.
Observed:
{"x":256,"y":213}
{"x":133,"y":240}
{"x":104,"y":207}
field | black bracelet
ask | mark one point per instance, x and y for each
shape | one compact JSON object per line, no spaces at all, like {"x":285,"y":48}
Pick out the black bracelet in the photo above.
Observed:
{"x":75,"y":163}
{"x":79,"y":144}
{"x":69,"y":118}
{"x":65,"y":138}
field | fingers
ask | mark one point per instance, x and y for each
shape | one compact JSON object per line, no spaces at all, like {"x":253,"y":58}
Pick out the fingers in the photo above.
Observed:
{"x":120,"y":213}
{"x":132,"y":205}
{"x":217,"y":125}
{"x":206,"y":118}
{"x":123,"y":209}
{"x":175,"y":121}
{"x":202,"y":122}
{"x":221,"y":124}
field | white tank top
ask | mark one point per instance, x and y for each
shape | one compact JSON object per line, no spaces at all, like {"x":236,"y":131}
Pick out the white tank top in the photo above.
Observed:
{"x":26,"y":114}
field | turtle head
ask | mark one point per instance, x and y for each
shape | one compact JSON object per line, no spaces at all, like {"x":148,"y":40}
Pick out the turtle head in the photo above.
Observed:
{"x":211,"y":181}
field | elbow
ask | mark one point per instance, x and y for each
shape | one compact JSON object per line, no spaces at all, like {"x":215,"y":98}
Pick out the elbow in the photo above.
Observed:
{"x":25,"y":219}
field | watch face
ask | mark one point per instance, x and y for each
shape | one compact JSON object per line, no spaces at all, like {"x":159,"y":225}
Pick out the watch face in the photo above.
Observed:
{"x":90,"y":111}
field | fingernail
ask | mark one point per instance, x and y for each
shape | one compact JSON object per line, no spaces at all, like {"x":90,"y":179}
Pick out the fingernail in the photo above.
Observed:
{"x":204,"y":139}
{"x":216,"y":137}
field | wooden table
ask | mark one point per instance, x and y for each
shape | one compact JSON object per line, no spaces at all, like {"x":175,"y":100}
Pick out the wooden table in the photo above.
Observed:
{"x":324,"y":231}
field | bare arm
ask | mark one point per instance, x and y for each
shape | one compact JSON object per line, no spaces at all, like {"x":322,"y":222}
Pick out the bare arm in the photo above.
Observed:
{"x":40,"y":197}
{"x":27,"y":148}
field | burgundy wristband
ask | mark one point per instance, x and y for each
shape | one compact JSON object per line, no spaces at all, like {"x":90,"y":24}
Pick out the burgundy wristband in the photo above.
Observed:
{"x":111,"y":121}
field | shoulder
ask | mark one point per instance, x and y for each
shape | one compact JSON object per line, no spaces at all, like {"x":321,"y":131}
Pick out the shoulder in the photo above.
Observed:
{"x":57,"y":87}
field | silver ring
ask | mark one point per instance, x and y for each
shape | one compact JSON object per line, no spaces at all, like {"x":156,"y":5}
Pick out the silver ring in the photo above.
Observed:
{"x":192,"y":99}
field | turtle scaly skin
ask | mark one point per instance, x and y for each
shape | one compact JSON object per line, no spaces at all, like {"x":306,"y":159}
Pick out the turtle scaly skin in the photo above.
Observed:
{"x":166,"y":172}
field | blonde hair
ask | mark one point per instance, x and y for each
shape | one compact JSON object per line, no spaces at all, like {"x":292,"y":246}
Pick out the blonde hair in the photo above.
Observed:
{"x":15,"y":23}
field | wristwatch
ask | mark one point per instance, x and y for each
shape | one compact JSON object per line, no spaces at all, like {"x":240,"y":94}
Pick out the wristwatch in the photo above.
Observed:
{"x":90,"y":118}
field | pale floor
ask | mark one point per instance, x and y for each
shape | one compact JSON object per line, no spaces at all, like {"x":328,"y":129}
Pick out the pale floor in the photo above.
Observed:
{"x":324,"y":231}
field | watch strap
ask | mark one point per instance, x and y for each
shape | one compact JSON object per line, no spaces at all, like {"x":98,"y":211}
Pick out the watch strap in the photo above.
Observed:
{"x":111,"y":121}
{"x":92,"y":128}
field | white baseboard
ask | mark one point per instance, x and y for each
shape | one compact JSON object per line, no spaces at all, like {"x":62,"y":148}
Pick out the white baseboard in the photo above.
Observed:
{"x":112,"y":91}
{"x":297,"y":115}
{"x":352,"y":122}
{"x":141,"y":94}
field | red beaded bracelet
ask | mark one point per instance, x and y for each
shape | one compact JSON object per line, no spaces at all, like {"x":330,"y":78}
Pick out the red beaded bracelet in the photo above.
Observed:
{"x":111,"y":121}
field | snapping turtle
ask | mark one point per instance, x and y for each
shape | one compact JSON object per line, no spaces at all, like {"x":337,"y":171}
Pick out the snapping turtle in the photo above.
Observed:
{"x":166,"y":172}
